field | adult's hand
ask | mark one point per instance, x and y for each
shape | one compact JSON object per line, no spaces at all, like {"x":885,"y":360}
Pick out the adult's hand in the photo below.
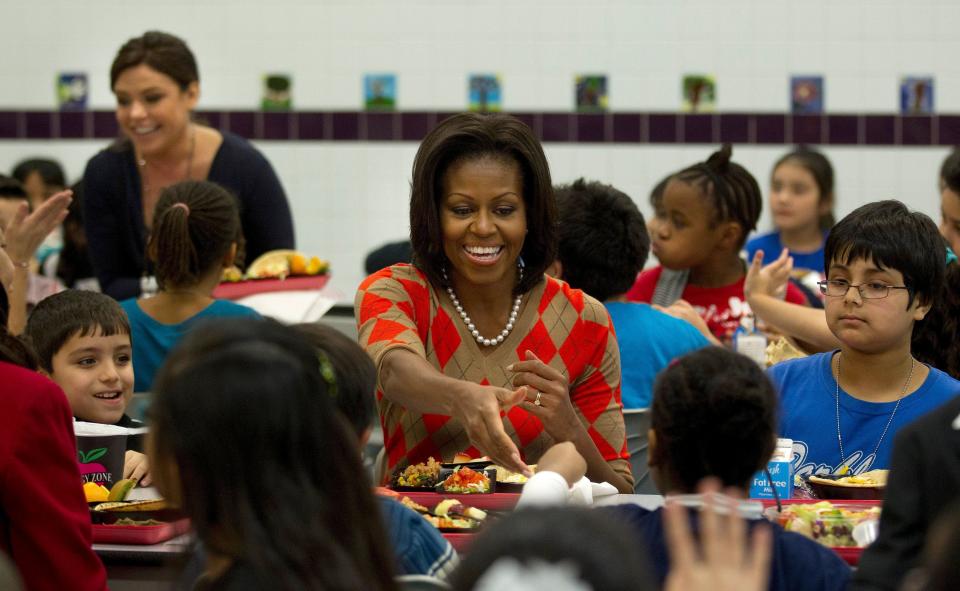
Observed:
{"x":548,"y":396}
{"x":6,"y":265}
{"x":27,"y":231}
{"x":768,"y":280}
{"x":479,"y":408}
{"x":722,"y":560}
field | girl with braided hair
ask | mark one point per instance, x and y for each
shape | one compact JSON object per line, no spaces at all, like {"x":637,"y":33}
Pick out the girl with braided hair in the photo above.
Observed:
{"x":196,"y":234}
{"x":701,"y":220}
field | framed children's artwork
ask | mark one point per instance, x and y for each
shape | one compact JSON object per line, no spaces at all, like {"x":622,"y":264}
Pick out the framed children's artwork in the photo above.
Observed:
{"x":72,"y":91}
{"x":699,"y":93}
{"x":380,"y":92}
{"x":484,"y":93}
{"x":806,"y":95}
{"x":277,"y":92}
{"x":590,"y":93}
{"x":916,"y":95}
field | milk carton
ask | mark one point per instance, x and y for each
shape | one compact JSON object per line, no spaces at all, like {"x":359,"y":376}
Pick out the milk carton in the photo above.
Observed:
{"x":780,"y":468}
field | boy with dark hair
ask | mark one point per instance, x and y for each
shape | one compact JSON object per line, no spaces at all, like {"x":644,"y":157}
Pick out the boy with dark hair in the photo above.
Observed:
{"x":603,"y":245}
{"x":82,"y":341}
{"x":885,"y":265}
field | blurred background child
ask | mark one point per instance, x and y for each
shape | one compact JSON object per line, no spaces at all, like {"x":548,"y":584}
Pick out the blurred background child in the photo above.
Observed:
{"x":701,"y":223}
{"x":801,"y":205}
{"x":196,"y":234}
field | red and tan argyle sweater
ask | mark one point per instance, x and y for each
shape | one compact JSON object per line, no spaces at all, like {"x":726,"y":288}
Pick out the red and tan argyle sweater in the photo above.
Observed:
{"x":397,"y":307}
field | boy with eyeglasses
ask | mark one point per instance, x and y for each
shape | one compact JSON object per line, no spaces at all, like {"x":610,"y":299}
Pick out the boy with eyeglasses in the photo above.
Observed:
{"x":842,"y":408}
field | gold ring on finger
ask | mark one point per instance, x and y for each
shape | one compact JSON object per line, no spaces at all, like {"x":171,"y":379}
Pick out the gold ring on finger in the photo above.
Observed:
{"x":536,"y":400}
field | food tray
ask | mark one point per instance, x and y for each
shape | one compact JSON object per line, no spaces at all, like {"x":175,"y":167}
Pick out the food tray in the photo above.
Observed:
{"x":240,"y":289}
{"x":850,"y":555}
{"x":139,"y":534}
{"x":487,"y":501}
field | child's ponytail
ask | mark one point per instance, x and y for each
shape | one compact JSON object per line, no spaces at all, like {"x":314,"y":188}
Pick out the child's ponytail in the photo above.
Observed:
{"x":195,"y":225}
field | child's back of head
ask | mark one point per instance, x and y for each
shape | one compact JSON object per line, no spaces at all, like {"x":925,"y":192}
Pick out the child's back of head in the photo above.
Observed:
{"x":196,"y":225}
{"x":82,"y":341}
{"x":713,"y":414}
{"x":12,"y":195}
{"x":262,"y":458}
{"x":349,"y":373}
{"x":603,"y":239}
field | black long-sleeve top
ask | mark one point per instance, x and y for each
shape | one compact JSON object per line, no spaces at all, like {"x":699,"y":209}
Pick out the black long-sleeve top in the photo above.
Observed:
{"x":113,"y":210}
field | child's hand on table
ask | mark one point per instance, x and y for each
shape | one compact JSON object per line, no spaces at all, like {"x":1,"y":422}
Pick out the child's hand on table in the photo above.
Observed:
{"x":137,"y":467}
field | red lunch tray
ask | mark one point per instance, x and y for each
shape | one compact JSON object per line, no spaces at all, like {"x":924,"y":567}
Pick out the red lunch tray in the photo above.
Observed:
{"x":460,"y":542}
{"x":241,"y":289}
{"x":850,"y":555}
{"x":491,"y":501}
{"x":139,"y":534}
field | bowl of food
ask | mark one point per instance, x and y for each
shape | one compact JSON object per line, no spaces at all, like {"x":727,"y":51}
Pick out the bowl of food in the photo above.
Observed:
{"x":837,"y":525}
{"x":866,"y":486}
{"x":467,"y":481}
{"x":417,"y":477}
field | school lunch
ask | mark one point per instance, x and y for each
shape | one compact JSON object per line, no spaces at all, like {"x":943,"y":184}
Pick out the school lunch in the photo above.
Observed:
{"x":825,"y":522}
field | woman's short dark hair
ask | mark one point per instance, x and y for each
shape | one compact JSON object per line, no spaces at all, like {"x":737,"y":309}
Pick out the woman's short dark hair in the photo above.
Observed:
{"x":195,"y":223}
{"x":935,"y":339}
{"x":603,"y":238}
{"x":613,"y":560}
{"x":950,"y":171}
{"x":270,"y":474}
{"x":728,"y":187}
{"x":893,"y":237}
{"x":353,"y":377}
{"x":822,"y":172}
{"x":165,"y":53}
{"x":50,"y":171}
{"x":714,"y":413}
{"x":473,"y":136}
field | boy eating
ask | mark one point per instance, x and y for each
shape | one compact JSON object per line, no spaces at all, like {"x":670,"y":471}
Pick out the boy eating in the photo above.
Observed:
{"x":842,"y":408}
{"x":82,"y":341}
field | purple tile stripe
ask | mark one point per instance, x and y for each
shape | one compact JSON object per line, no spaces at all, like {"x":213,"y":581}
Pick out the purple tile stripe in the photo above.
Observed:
{"x":625,"y":128}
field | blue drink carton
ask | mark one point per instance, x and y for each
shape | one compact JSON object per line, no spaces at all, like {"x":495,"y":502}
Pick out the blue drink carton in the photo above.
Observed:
{"x":780,"y":468}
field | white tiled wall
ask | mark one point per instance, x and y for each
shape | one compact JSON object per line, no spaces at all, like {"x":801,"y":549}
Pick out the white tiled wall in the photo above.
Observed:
{"x":348,"y":198}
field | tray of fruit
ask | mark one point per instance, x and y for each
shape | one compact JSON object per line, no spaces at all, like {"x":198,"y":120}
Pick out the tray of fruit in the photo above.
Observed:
{"x":277,"y":270}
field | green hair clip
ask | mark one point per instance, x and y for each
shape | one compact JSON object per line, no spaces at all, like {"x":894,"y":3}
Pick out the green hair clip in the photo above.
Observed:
{"x":327,"y":373}
{"x":951,"y":256}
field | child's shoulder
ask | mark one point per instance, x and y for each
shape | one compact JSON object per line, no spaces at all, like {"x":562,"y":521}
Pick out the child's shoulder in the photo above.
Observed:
{"x":229,"y":308}
{"x":800,"y":366}
{"x":645,"y":285}
{"x":769,"y":243}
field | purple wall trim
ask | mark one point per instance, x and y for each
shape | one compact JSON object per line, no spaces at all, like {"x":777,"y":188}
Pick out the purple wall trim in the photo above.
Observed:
{"x":622,"y":128}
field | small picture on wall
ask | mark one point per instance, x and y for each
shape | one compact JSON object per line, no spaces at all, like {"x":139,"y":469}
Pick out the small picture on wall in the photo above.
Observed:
{"x":916,"y":95}
{"x":380,"y":92}
{"x":806,"y":95}
{"x":484,"y":93}
{"x":72,"y":91}
{"x":590,"y":92}
{"x":699,"y":93}
{"x":277,"y":92}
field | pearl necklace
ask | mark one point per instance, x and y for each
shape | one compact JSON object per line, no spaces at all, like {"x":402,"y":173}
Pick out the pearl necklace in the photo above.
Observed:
{"x":472,"y":327}
{"x":903,"y":392}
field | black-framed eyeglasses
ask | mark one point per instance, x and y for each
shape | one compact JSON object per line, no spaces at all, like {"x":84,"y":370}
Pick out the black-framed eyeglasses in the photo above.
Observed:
{"x":873,"y":290}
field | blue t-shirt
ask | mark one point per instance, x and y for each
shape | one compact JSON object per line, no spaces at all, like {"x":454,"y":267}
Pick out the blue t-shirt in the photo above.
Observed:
{"x":649,"y":340}
{"x":771,"y":246}
{"x":797,"y":563}
{"x":418,"y":546}
{"x":153,"y":340}
{"x":808,"y":416}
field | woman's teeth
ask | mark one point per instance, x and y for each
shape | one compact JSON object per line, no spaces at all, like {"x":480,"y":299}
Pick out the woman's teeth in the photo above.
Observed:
{"x":144,"y":130}
{"x":483,"y":251}
{"x":107,"y":395}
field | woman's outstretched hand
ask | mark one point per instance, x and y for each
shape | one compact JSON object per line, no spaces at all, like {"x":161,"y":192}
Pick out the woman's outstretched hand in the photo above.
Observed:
{"x":478,"y":408}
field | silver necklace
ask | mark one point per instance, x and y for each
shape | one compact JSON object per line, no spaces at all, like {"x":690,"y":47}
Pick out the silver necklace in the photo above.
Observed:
{"x":142,"y":163}
{"x":470,"y":325}
{"x":903,"y":392}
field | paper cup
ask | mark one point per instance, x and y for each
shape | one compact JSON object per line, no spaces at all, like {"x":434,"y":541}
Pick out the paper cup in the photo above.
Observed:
{"x":100,"y":452}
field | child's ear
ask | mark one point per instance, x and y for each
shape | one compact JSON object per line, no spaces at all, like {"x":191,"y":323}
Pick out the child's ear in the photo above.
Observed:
{"x":653,"y":450}
{"x":920,"y":311}
{"x":730,"y":236}
{"x":230,"y":256}
{"x":555,"y":269}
